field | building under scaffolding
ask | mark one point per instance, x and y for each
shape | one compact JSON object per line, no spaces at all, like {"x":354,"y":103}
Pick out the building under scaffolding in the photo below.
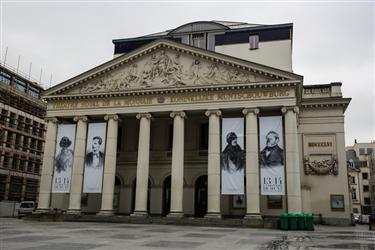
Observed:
{"x":22,"y":132}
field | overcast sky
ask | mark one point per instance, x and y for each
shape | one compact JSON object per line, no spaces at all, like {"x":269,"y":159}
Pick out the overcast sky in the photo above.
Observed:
{"x":332,"y":41}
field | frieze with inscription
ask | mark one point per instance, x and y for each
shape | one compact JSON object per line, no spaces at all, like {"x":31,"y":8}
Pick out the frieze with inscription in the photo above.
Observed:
{"x":170,"y":99}
{"x":167,"y":68}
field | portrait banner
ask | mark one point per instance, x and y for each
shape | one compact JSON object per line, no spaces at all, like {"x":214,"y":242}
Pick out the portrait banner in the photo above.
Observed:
{"x":94,"y":159}
{"x":64,"y":154}
{"x":232,"y":156}
{"x":271,"y":155}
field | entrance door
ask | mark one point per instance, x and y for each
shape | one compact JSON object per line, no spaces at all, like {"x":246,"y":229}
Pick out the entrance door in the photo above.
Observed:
{"x":167,"y":195}
{"x":201,"y":196}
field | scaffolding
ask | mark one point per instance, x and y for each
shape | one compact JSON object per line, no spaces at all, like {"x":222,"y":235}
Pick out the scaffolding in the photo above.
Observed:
{"x":22,"y":136}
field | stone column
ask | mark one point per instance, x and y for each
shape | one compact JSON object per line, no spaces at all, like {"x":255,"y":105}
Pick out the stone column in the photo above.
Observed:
{"x":177,"y":181}
{"x":109,"y":165}
{"x":292,"y":160}
{"x":78,"y":165}
{"x":213,"y":170}
{"x":142,"y":164}
{"x":47,"y":169}
{"x":252,"y":165}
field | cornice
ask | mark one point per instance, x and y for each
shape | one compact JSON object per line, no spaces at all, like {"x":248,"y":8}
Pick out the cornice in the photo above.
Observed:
{"x":325,"y":103}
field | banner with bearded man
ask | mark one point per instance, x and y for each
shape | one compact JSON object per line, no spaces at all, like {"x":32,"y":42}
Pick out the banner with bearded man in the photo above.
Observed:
{"x":232,"y":156}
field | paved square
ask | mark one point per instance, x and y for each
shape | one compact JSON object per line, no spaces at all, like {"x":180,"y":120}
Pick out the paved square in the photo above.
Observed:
{"x":21,"y":235}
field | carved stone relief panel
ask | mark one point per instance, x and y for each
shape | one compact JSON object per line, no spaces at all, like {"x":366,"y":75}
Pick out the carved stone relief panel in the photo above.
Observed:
{"x":320,"y":155}
{"x":168,"y":68}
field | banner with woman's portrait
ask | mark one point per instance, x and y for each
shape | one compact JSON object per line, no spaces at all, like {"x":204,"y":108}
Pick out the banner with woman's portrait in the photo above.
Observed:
{"x":232,"y":156}
{"x":271,"y":155}
{"x":64,"y":155}
{"x":94,"y":159}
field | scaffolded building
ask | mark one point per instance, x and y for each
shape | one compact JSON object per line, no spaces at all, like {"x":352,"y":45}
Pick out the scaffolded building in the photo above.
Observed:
{"x":22,"y":136}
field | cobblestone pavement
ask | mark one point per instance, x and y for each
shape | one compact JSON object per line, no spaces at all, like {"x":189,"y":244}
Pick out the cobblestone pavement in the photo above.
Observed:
{"x":30,"y":235}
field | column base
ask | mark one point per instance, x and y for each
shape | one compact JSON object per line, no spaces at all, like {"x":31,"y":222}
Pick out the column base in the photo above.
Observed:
{"x":254,"y":220}
{"x":105,"y":213}
{"x":175,"y":215}
{"x":73,"y":211}
{"x":213,"y":215}
{"x":139,"y":214}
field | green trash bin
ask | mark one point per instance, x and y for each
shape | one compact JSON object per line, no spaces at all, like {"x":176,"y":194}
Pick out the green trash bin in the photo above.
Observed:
{"x":293,"y":222}
{"x":309,"y":222}
{"x":284,"y":221}
{"x":301,"y":221}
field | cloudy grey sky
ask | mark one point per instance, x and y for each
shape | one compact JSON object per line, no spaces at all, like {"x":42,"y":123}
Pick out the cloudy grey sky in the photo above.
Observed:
{"x":333,"y":41}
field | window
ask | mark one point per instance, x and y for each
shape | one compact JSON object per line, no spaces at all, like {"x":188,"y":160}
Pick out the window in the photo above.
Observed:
{"x":203,"y":137}
{"x":363,"y":164}
{"x":354,"y":194}
{"x":362,"y":151}
{"x":366,"y":188}
{"x":274,"y":201}
{"x":370,"y":151}
{"x":355,"y":210}
{"x":352,"y":180}
{"x":365,"y":176}
{"x":5,"y":78}
{"x":21,"y":86}
{"x":198,"y":40}
{"x":254,"y":42}
{"x":367,"y":201}
{"x":15,"y":188}
{"x":31,"y":189}
{"x":34,"y":92}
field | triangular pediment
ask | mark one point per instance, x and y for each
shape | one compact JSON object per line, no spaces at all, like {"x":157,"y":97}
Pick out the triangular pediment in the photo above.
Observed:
{"x":165,"y":64}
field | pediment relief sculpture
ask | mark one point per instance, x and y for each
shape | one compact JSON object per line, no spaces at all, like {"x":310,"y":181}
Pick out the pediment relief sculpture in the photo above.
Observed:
{"x":167,"y":68}
{"x":321,"y":167}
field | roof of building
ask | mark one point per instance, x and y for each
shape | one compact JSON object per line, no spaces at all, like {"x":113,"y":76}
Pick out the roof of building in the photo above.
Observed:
{"x":228,"y":26}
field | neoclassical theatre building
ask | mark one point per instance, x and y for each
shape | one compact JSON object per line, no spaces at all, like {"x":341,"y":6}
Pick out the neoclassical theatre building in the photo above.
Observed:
{"x":206,"y":120}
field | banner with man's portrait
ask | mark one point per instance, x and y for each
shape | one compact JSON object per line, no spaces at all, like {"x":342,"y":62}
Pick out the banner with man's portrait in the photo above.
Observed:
{"x":63,"y":162}
{"x":271,"y":155}
{"x":94,"y":159}
{"x":232,"y":156}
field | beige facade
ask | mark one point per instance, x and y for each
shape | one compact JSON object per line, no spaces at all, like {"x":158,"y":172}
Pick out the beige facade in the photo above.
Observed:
{"x":163,"y":104}
{"x":277,"y":54}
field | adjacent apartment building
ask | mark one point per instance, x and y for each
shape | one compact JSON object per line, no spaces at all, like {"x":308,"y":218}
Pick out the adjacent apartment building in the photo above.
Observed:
{"x":22,"y":136}
{"x":359,"y":160}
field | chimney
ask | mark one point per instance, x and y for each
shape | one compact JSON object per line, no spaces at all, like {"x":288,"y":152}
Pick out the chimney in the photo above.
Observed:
{"x":355,"y":141}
